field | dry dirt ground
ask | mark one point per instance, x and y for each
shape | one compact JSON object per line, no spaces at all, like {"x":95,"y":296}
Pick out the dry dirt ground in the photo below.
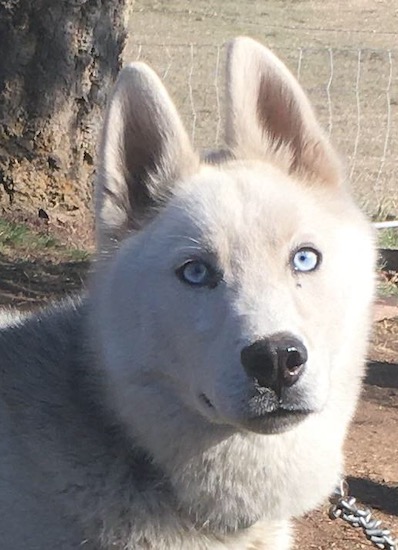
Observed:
{"x":372,"y":445}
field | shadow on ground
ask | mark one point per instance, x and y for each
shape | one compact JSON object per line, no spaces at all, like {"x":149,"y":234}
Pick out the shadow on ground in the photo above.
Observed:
{"x":381,"y":384}
{"x":26,"y":284}
{"x":382,"y":374}
{"x":377,"y":495}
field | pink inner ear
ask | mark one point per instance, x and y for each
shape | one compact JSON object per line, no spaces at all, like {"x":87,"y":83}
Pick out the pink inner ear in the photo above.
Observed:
{"x":270,"y":117}
{"x":279,"y":115}
{"x":145,"y":151}
{"x":278,"y":112}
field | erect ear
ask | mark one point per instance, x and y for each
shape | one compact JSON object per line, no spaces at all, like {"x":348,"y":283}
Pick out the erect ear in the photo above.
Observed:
{"x":270,"y":117}
{"x":144,"y":152}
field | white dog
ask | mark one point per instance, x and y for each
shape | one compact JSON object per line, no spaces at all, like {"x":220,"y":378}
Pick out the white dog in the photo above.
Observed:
{"x":198,"y":397}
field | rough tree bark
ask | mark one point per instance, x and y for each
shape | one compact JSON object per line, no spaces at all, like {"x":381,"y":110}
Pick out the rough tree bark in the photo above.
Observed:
{"x":58,"y":59}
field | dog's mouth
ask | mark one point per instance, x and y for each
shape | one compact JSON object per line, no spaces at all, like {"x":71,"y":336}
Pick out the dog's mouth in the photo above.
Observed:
{"x":272,"y":418}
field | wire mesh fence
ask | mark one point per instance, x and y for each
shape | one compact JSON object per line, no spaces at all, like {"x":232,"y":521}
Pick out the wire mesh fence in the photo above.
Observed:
{"x":354,"y":91}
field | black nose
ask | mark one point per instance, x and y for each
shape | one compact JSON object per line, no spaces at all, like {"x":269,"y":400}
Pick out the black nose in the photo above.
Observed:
{"x":275,"y":361}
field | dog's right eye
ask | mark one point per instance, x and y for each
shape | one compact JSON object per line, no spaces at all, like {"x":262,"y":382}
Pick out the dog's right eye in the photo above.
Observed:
{"x":198,"y":273}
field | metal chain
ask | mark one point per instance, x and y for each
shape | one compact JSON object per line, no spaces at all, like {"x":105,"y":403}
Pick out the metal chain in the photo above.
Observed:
{"x":343,"y":506}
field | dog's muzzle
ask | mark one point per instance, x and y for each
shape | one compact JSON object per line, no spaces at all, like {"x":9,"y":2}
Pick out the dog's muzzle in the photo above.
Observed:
{"x":273,"y":403}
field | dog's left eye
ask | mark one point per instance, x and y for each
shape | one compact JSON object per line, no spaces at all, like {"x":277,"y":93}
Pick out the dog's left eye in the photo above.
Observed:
{"x":306,"y":259}
{"x":198,"y":273}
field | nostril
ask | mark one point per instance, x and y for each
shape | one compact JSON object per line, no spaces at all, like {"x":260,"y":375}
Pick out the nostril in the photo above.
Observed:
{"x":260,"y":361}
{"x":295,"y":358}
{"x":292,"y":364}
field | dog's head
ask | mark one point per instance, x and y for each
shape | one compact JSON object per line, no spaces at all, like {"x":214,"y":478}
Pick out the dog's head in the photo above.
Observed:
{"x":240,"y":288}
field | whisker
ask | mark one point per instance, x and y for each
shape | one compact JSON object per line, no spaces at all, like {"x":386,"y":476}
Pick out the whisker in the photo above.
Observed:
{"x":187,"y":237}
{"x":197,"y":248}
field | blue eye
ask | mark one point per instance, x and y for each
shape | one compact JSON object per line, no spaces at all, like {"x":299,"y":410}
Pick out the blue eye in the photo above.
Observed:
{"x":198,"y":273}
{"x":306,"y":259}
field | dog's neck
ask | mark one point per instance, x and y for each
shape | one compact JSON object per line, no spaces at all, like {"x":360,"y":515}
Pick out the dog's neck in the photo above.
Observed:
{"x":219,"y":477}
{"x":222,"y":480}
{"x":178,"y":480}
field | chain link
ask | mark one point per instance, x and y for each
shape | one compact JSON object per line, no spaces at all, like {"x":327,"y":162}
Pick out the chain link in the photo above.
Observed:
{"x":343,"y":506}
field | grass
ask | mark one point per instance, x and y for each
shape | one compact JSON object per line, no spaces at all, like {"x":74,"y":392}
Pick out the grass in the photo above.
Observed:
{"x":21,"y":242}
{"x":17,"y":236}
{"x":388,"y":238}
{"x":37,"y":266}
{"x":387,"y":289}
{"x":388,"y":281}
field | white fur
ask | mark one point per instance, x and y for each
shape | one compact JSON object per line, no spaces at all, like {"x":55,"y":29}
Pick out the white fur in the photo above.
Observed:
{"x":132,"y":457}
{"x":9,"y":317}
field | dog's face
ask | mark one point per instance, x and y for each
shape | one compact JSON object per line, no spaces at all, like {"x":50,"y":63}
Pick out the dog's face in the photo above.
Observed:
{"x":241,"y":255}
{"x":236,"y":289}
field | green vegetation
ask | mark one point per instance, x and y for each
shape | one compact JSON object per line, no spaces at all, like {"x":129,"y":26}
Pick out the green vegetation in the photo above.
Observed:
{"x":388,"y":238}
{"x":21,"y":242}
{"x":386,"y":289}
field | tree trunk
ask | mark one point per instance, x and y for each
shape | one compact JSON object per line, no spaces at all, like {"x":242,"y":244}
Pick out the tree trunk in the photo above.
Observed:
{"x":58,"y":60}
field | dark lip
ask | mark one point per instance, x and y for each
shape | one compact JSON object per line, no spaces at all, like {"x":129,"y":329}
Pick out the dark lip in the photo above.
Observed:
{"x":274,"y":421}
{"x":282,"y":412}
{"x":278,"y":421}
